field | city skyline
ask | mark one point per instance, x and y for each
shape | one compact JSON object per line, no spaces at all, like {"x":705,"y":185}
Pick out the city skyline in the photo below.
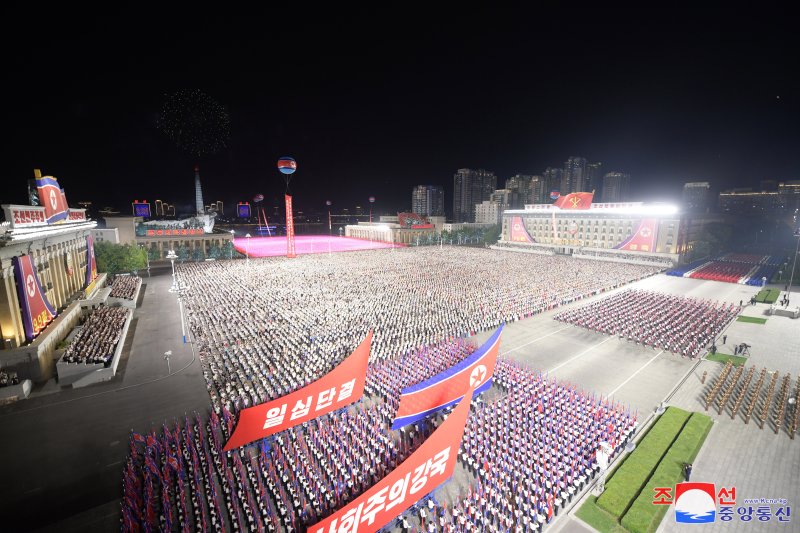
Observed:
{"x":376,"y":120}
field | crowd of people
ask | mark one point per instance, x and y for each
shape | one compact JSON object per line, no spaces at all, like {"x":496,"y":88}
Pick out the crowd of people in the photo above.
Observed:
{"x":97,"y":340}
{"x":268,"y":327}
{"x":125,"y":287}
{"x":7,"y":380}
{"x":285,"y":483}
{"x":614,"y":255}
{"x":533,"y":449}
{"x":529,"y":451}
{"x":677,"y":324}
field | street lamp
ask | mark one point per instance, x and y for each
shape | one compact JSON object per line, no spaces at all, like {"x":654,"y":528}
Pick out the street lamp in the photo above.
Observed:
{"x":166,"y":358}
{"x":330,"y":226}
{"x":172,"y":257}
{"x":371,"y":201}
{"x":247,"y":247}
{"x":232,"y":235}
{"x":147,"y":258}
{"x":794,"y":263}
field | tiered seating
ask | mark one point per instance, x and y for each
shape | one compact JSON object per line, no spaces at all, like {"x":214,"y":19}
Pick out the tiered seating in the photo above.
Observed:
{"x":764,"y":271}
{"x":751,"y":259}
{"x":98,"y":339}
{"x":723,"y":271}
{"x":673,"y":323}
{"x":681,"y":271}
{"x":125,"y":287}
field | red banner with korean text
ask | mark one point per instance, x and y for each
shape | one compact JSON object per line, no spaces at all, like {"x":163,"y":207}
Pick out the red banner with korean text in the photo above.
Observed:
{"x":340,"y":387}
{"x":427,"y":468}
{"x":36,"y":311}
{"x":289,"y":228}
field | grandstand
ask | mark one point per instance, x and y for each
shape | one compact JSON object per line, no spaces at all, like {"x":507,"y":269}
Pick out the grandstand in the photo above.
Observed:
{"x":745,"y":269}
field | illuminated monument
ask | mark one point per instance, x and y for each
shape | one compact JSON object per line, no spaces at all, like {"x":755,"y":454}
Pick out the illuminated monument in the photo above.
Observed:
{"x":198,"y":192}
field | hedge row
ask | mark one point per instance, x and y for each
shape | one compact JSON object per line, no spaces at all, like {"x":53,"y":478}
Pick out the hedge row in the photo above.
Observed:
{"x":643,"y":516}
{"x":629,"y":479}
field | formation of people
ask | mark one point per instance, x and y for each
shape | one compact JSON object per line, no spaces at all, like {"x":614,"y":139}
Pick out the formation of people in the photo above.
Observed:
{"x":532,"y":450}
{"x":125,"y":287}
{"x":265,"y":328}
{"x":97,"y":340}
{"x":677,"y":324}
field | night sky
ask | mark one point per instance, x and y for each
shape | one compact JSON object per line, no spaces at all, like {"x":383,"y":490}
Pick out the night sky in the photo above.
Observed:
{"x":375,"y":103}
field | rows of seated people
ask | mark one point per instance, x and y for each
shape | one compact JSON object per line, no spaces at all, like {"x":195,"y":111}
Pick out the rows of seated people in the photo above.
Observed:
{"x":682,"y":270}
{"x":125,"y":287}
{"x":623,"y":256}
{"x":97,"y":340}
{"x":525,"y":246}
{"x":681,"y":325}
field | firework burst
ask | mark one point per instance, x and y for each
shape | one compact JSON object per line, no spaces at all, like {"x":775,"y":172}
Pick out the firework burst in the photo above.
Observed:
{"x":195,"y":122}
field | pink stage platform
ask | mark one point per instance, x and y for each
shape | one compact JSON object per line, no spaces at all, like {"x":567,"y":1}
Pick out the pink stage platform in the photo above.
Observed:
{"x":305,"y":244}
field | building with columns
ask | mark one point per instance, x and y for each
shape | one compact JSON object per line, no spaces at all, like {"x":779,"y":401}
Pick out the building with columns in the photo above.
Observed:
{"x":59,"y":253}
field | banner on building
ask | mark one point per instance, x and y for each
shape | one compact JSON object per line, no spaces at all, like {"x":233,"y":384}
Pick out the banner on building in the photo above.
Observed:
{"x":519,"y":233}
{"x":91,"y":266}
{"x":643,"y":239}
{"x":575,"y":200}
{"x":37,"y":312}
{"x":428,"y":467}
{"x":340,"y":387}
{"x":447,"y":388}
{"x":52,"y":198}
{"x":289,"y":228}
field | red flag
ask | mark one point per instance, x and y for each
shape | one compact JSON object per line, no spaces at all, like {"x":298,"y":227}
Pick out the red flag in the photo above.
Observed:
{"x":575,"y":200}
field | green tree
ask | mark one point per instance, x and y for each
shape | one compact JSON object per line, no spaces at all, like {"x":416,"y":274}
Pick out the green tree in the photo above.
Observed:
{"x":197,"y":254}
{"x":492,"y":235}
{"x":154,"y":254}
{"x":182,"y":252}
{"x":119,"y":258}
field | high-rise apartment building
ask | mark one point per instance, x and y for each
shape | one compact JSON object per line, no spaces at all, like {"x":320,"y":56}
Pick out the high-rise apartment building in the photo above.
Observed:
{"x":552,"y":179}
{"x":427,"y":200}
{"x":471,"y":187}
{"x":574,"y":177}
{"x":594,"y":178}
{"x":616,"y":187}
{"x":520,"y":187}
{"x":539,"y":193}
{"x":696,"y":196}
